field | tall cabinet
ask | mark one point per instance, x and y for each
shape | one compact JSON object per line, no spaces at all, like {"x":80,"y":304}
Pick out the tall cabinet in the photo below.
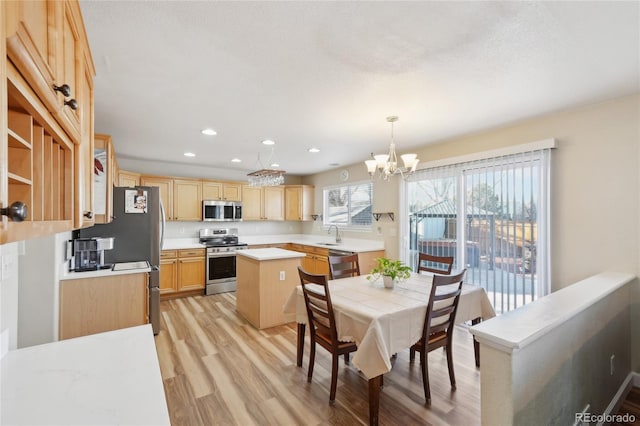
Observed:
{"x":47,"y":118}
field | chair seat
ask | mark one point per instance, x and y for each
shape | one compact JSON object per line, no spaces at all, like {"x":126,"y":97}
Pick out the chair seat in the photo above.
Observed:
{"x":342,"y":346}
{"x":433,"y":339}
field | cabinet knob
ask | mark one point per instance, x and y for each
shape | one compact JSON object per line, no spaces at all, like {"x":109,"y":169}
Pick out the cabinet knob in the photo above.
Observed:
{"x":64,"y":89}
{"x":88,"y":215}
{"x":17,"y":212}
{"x":72,"y":103}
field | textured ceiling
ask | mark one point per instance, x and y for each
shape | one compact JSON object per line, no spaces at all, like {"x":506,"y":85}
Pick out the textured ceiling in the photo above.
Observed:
{"x":326,"y":74}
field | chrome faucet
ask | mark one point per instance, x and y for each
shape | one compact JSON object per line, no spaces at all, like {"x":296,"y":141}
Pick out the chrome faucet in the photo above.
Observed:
{"x":338,"y":237}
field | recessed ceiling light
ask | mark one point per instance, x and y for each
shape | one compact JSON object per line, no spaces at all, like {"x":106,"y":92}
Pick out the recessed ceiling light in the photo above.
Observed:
{"x":209,"y":132}
{"x":314,"y":150}
{"x":268,"y":142}
{"x":236,"y":160}
{"x":189,"y":154}
{"x":275,"y":165}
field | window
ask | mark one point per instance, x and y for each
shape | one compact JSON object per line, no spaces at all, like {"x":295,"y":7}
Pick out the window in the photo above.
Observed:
{"x":490,"y":215}
{"x":348,"y":205}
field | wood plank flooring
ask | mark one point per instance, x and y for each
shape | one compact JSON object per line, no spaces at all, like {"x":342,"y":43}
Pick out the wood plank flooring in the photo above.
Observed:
{"x":630,"y":407}
{"x":219,"y":370}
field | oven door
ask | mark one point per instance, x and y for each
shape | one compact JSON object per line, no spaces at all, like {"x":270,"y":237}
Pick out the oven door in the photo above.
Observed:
{"x":221,"y":272}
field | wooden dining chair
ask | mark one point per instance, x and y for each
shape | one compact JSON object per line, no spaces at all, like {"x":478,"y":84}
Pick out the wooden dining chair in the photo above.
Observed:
{"x":438,"y":326}
{"x":442,"y":266}
{"x":322,"y":325}
{"x":344,"y":266}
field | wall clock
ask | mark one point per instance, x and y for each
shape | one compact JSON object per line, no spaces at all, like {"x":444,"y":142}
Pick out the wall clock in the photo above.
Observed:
{"x":344,"y":175}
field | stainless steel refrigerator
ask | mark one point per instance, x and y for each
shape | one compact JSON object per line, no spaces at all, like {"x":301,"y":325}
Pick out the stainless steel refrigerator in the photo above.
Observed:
{"x":138,"y":230}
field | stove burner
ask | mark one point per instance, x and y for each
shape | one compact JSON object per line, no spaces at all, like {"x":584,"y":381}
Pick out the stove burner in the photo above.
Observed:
{"x":221,"y":237}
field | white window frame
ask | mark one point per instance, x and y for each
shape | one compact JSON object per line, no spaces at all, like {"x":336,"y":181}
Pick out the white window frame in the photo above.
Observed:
{"x":350,"y":226}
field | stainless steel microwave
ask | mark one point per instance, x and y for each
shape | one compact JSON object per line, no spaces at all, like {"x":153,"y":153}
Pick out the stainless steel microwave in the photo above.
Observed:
{"x":221,"y":211}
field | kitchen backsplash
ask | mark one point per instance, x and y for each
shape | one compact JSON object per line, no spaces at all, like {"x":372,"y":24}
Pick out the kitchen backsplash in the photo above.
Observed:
{"x":191,"y":229}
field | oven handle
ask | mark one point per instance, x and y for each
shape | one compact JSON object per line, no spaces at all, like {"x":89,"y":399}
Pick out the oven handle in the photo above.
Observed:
{"x":222,"y":254}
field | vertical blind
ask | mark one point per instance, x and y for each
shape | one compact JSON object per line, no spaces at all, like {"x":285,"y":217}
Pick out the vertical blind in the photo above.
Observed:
{"x":491,"y":215}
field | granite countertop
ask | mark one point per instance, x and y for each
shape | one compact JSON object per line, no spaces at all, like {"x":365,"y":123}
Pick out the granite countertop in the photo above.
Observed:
{"x":355,"y":245}
{"x":270,"y":254}
{"x":106,"y":378}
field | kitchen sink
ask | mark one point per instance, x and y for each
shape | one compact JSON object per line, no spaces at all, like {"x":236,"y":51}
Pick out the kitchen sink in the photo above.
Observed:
{"x":328,"y":244}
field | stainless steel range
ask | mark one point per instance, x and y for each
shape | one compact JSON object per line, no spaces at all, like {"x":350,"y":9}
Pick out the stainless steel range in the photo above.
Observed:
{"x":222,"y":244}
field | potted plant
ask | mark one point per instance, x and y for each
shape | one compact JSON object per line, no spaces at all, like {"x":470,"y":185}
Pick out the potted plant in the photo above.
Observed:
{"x":390,"y":270}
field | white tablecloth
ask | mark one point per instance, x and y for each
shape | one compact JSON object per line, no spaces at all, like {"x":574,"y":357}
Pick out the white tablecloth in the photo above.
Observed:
{"x":386,"y":321}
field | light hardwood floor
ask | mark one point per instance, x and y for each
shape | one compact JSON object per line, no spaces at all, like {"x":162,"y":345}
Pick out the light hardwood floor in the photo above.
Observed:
{"x":217,"y":369}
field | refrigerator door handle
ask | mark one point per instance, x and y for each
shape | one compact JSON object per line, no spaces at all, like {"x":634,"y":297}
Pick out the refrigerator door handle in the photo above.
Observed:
{"x":163,"y":222}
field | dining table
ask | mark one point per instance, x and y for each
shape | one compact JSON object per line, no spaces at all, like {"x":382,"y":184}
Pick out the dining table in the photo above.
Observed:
{"x":384,"y":321}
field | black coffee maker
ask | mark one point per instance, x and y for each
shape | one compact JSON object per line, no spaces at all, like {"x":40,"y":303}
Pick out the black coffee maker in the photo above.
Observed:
{"x":88,"y":253}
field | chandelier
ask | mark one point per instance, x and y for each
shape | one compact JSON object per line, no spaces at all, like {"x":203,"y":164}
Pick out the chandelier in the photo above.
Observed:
{"x":266,"y":177}
{"x":387,"y":164}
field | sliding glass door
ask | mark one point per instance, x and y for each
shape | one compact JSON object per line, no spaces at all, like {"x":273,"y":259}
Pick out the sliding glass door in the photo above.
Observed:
{"x":491,"y":216}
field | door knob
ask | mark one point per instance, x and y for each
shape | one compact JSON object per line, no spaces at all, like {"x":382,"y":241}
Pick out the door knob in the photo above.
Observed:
{"x":88,"y":215}
{"x":17,"y":212}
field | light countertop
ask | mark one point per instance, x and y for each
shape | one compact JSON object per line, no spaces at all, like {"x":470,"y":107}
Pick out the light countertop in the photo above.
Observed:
{"x":270,"y":254}
{"x":348,"y":244}
{"x":72,"y":275}
{"x":106,"y":378}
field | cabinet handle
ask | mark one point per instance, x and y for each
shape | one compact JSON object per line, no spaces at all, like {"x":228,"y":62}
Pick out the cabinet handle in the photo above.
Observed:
{"x":64,"y":89}
{"x":88,"y":215}
{"x":72,"y":103}
{"x":17,"y":211}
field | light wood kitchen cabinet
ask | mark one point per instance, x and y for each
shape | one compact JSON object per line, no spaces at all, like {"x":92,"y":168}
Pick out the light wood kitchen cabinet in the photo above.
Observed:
{"x":263,"y":289}
{"x":129,"y":179}
{"x":221,"y":191}
{"x":85,"y":214}
{"x":316,"y":260}
{"x":95,"y":305}
{"x":168,"y":271}
{"x":298,"y":202}
{"x":48,"y":166}
{"x":46,"y":41}
{"x":103,"y":178}
{"x":182,"y":272}
{"x":166,"y":191}
{"x":262,"y":203}
{"x":191,"y":269}
{"x":187,"y":200}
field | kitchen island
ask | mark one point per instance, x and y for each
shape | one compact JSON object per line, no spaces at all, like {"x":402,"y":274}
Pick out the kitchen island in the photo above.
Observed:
{"x":107,"y":378}
{"x":266,"y":278}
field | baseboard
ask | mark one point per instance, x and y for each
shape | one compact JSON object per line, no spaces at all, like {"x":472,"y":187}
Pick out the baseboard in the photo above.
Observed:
{"x":632,"y":379}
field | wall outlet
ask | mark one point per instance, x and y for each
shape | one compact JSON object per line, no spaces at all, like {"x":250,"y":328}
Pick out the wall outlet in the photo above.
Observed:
{"x":612,"y":365}
{"x":281,"y":275}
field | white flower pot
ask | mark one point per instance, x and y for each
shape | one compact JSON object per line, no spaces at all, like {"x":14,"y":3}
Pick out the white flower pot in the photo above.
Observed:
{"x":388,"y":281}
